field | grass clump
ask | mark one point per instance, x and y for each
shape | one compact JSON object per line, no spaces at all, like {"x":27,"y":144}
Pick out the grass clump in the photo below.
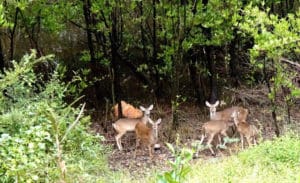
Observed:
{"x":271,"y":161}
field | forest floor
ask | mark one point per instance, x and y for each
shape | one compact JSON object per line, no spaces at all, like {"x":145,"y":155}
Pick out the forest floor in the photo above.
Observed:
{"x":191,"y":119}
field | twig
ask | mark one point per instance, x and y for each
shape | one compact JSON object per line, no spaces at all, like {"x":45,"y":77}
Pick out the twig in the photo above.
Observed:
{"x":74,"y":123}
{"x":297,"y":65}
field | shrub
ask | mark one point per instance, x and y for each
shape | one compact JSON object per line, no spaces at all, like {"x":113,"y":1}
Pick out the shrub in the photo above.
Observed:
{"x":41,"y":136}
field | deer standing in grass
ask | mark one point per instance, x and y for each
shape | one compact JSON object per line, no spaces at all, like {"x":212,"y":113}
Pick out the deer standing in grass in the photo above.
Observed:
{"x":145,"y":135}
{"x":128,"y":111}
{"x":125,"y":125}
{"x":213,"y":128}
{"x":245,"y":129}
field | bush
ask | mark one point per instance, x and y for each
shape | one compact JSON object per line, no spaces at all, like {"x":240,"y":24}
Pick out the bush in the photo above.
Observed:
{"x":41,"y":136}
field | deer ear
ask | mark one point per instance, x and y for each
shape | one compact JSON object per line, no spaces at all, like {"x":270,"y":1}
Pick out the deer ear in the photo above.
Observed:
{"x":150,"y":107}
{"x":142,"y":108}
{"x":207,"y":104}
{"x":217,"y":103}
{"x":158,"y":121}
{"x":151,"y":121}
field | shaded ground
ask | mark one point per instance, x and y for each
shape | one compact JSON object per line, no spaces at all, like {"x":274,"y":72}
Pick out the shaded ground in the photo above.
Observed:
{"x":191,"y":120}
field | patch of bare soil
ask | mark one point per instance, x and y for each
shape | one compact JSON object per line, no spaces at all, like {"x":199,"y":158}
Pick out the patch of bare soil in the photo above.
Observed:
{"x":191,"y":119}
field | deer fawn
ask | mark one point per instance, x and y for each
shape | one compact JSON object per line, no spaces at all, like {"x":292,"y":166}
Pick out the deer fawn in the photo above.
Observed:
{"x":128,"y":111}
{"x":124,"y":125}
{"x":145,"y":135}
{"x":245,"y":129}
{"x":213,"y":128}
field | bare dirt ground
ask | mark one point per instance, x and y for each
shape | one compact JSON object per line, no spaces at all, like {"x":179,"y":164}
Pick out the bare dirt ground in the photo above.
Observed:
{"x":191,"y":119}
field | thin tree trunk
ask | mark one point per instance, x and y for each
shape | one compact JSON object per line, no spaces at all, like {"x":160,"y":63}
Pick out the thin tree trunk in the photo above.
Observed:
{"x":88,"y":23}
{"x":195,"y":81}
{"x":274,"y":107}
{"x":233,"y":62}
{"x":30,"y":31}
{"x":158,"y":87}
{"x":143,"y":37}
{"x":2,"y":63}
{"x":12,"y":34}
{"x":116,"y":89}
{"x":212,"y":78}
{"x":210,"y":61}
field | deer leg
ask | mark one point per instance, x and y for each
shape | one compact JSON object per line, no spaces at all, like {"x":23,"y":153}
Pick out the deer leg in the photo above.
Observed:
{"x":118,"y":140}
{"x":220,"y":140}
{"x":211,"y":137}
{"x":224,"y":134}
{"x":150,"y":150}
{"x":234,"y":131}
{"x":249,"y":141}
{"x":137,"y":144}
{"x":254,"y":141}
{"x":242,"y":140}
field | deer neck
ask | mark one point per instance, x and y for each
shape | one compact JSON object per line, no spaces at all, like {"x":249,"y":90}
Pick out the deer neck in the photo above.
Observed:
{"x":145,"y":119}
{"x":235,"y":119}
{"x":212,"y":114}
{"x":154,"y":135}
{"x":155,"y":131}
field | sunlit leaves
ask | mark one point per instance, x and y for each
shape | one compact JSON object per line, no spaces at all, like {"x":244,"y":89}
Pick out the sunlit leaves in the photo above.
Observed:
{"x":3,"y":20}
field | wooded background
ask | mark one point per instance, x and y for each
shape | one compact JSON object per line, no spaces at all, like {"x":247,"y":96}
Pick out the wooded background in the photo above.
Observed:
{"x":171,"y":51}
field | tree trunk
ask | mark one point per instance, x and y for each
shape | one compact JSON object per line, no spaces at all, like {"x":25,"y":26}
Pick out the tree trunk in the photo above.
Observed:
{"x":158,"y":87}
{"x":115,"y":66}
{"x":212,"y":78}
{"x":210,"y":61}
{"x":143,"y":37}
{"x":2,"y":63}
{"x":274,"y":106}
{"x":88,"y":23}
{"x":12,"y":34}
{"x":233,"y":62}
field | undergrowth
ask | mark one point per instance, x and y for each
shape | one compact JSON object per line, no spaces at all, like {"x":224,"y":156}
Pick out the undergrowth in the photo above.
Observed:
{"x":42,"y":138}
{"x":271,"y":161}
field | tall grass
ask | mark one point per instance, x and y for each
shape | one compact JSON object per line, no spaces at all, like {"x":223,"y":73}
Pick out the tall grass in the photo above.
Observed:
{"x":272,"y":161}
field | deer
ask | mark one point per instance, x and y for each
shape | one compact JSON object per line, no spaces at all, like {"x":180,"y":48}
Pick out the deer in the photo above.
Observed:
{"x":213,"y":128}
{"x":224,"y":115}
{"x":146,"y":135}
{"x":128,"y":111}
{"x":249,"y":131}
{"x":124,"y":125}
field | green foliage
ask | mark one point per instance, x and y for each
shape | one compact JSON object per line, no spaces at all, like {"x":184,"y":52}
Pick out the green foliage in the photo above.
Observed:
{"x":283,"y":150}
{"x":3,"y":20}
{"x":271,"y":161}
{"x":275,"y":39}
{"x":179,"y":167}
{"x":35,"y":124}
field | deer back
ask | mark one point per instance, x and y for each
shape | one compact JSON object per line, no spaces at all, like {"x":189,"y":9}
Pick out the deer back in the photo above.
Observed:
{"x":215,"y":126}
{"x":226,"y":114}
{"x":126,"y":124}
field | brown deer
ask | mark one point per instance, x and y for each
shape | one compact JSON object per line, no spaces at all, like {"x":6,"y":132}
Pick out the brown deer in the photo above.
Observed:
{"x":146,"y":135}
{"x":249,"y":131}
{"x":124,"y":125}
{"x":213,"y":128}
{"x":224,"y":115}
